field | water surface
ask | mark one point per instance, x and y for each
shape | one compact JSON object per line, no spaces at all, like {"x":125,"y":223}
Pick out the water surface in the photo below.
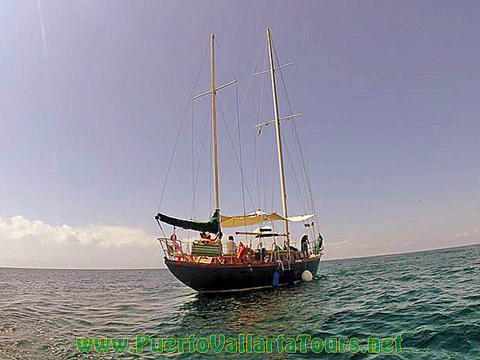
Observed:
{"x":431,"y":298}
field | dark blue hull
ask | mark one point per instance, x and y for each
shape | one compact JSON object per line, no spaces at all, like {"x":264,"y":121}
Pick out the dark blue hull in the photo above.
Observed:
{"x":237,"y":277}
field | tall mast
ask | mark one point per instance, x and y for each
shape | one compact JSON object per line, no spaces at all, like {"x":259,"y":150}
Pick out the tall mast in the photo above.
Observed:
{"x":279,"y":135}
{"x":214,"y":124}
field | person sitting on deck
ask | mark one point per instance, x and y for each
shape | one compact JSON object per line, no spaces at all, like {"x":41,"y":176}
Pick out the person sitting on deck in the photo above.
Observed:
{"x":292,"y":248}
{"x":260,"y":253}
{"x":171,"y":245}
{"x":231,"y":246}
{"x":205,"y":238}
{"x":264,"y":253}
{"x":174,"y":246}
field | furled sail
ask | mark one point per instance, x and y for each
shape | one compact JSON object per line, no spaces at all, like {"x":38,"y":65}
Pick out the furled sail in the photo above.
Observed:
{"x":258,"y":217}
{"x":211,"y":226}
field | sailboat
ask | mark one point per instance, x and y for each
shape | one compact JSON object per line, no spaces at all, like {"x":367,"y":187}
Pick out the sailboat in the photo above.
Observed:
{"x":206,"y":266}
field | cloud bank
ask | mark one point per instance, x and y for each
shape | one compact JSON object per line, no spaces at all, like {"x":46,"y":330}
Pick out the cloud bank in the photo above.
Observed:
{"x":18,"y":228}
{"x":34,"y":243}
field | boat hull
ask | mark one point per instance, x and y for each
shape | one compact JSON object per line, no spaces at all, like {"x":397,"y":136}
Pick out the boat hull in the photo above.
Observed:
{"x":208,"y":278}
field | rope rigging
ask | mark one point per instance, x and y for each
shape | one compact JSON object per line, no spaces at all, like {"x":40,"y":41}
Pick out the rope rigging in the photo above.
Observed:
{"x":304,"y":161}
{"x":302,"y":181}
{"x":238,"y":156}
{"x":172,"y":156}
{"x":239,"y":161}
{"x":263,"y":183}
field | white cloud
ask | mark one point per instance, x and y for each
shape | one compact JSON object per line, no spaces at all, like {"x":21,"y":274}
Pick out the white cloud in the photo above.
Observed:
{"x":19,"y":228}
{"x":474,"y":234}
{"x":343,"y":243}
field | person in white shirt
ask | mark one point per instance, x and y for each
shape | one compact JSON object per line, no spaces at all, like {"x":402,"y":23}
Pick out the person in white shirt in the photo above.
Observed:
{"x":231,"y":246}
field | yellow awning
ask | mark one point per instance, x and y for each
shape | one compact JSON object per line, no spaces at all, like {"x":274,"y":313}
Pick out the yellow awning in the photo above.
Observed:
{"x":258,"y":217}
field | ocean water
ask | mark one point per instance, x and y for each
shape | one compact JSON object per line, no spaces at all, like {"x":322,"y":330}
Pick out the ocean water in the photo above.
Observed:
{"x":432,"y":298}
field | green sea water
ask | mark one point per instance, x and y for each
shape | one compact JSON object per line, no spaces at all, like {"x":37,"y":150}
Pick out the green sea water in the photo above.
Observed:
{"x":432,"y":298}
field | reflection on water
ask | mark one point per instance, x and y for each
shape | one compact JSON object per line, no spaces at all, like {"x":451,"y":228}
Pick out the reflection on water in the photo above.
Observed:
{"x":265,"y":313}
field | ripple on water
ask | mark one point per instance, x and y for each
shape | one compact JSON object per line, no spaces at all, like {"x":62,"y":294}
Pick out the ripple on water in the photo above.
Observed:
{"x":432,"y":298}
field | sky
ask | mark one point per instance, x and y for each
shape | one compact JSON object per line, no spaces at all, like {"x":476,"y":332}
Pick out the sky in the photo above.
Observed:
{"x":92,"y":94}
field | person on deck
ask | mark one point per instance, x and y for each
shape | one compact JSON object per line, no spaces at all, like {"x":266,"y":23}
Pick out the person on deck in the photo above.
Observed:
{"x":264,"y":254}
{"x":231,"y":246}
{"x":292,"y":248}
{"x":205,"y":238}
{"x":261,"y":252}
{"x":174,"y":246}
{"x":304,"y":245}
{"x":171,"y":245}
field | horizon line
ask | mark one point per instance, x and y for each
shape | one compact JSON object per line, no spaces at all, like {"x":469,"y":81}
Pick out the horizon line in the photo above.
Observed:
{"x":165,"y":268}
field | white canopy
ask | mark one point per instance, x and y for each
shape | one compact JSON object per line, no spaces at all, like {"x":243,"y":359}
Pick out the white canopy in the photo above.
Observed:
{"x":258,"y":217}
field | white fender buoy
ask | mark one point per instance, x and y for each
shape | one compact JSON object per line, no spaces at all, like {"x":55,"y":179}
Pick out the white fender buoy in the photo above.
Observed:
{"x":307,"y":276}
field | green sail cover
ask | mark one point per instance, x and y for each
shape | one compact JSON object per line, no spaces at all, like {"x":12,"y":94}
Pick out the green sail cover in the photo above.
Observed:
{"x":211,"y":226}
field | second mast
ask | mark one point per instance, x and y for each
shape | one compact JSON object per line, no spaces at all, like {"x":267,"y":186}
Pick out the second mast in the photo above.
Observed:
{"x":214,"y":125}
{"x":279,"y":135}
